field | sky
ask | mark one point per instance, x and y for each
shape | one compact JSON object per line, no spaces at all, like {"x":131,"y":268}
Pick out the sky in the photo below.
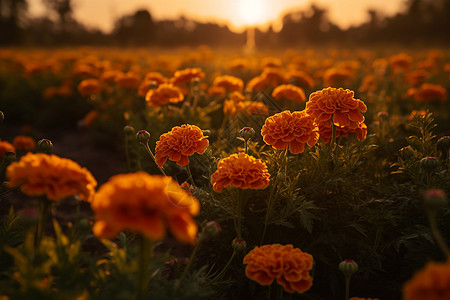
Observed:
{"x":235,"y":13}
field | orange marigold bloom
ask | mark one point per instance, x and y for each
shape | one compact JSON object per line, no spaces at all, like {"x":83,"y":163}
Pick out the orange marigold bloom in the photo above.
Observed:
{"x":252,"y":108}
{"x":109,"y":76}
{"x":229,"y":107}
{"x":428,"y":92}
{"x":89,"y":87}
{"x":271,"y":62}
{"x":293,"y":129}
{"x":22,"y":142}
{"x":431,"y":283}
{"x":146,"y":204}
{"x":129,"y":80}
{"x":325,"y":131}
{"x":256,"y":84}
{"x":338,"y":104}
{"x":164,"y":94}
{"x":186,"y":75}
{"x":242,"y":171}
{"x":230,"y":83}
{"x":368,"y":84}
{"x":6,"y":147}
{"x":336,"y":76}
{"x":52,"y":176}
{"x":289,"y":91}
{"x":302,"y":79}
{"x":156,"y":77}
{"x":417,"y":77}
{"x":179,"y":143}
{"x":216,"y":91}
{"x":274,"y":76}
{"x":400,"y":62}
{"x":288,"y":265}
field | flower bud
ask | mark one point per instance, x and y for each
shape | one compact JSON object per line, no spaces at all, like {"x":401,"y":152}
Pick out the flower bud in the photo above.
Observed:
{"x":247,"y":133}
{"x":429,"y":164}
{"x":44,"y":146}
{"x":128,"y":129}
{"x":406,"y":152}
{"x":2,"y":116}
{"x":348,"y":267}
{"x":211,"y":229}
{"x":435,"y":199}
{"x":443,"y":144}
{"x":239,"y":245}
{"x":206,"y":132}
{"x":143,"y":136}
{"x":383,"y":115}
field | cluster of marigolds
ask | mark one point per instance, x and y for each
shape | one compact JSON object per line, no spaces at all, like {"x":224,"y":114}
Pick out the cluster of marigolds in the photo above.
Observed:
{"x":152,"y":204}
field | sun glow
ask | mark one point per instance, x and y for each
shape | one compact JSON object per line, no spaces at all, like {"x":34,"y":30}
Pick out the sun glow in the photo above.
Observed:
{"x":251,"y":13}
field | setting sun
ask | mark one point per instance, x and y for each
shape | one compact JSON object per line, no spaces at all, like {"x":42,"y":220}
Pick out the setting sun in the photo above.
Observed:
{"x":251,"y":12}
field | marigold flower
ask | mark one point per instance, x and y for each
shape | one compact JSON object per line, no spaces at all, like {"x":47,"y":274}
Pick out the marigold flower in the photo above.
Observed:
{"x":431,"y":283}
{"x":368,"y":84}
{"x":146,"y":204}
{"x":274,"y":76}
{"x":242,"y":171}
{"x":336,"y":103}
{"x":301,"y":79}
{"x":428,"y":92}
{"x":326,"y":131}
{"x":6,"y":147}
{"x":156,"y":77}
{"x":22,"y":142}
{"x":164,"y":94}
{"x":109,"y":76}
{"x":256,"y":84}
{"x":216,"y":91}
{"x":253,"y":108}
{"x":289,"y":91}
{"x":292,"y":129}
{"x":238,"y":65}
{"x":271,"y":62}
{"x":230,"y":83}
{"x":89,"y":87}
{"x":185,"y":76}
{"x":179,"y":143}
{"x":400,"y":62}
{"x":229,"y":107}
{"x":129,"y":80}
{"x":288,"y":265}
{"x":52,"y":176}
{"x":416,"y":77}
{"x":336,"y":76}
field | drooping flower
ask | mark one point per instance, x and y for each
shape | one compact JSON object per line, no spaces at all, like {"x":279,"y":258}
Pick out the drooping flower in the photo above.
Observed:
{"x":229,"y":83}
{"x":52,"y":176}
{"x":22,"y":142}
{"x":338,"y":104}
{"x":146,"y":204}
{"x":431,"y":283}
{"x":164,"y":94}
{"x":289,"y":91}
{"x":287,"y":265}
{"x":294,"y":129}
{"x":242,"y":171}
{"x":90,"y":87}
{"x":179,"y":143}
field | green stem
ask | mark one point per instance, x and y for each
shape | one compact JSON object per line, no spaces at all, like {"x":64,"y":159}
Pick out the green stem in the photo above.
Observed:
{"x":191,"y":179}
{"x":239,"y":215}
{"x":191,"y":259}
{"x":268,"y":211}
{"x":44,"y":205}
{"x":145,"y":253}
{"x":333,"y":135}
{"x":436,"y":234}
{"x":279,"y":295}
{"x":153,"y":157}
{"x":220,"y":275}
{"x":285,"y":160}
{"x":347,"y":287}
{"x":127,"y":153}
{"x":246,"y":146}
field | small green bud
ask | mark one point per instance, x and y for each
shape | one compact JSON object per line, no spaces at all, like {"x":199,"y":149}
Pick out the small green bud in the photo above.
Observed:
{"x":406,"y":152}
{"x":429,"y":164}
{"x":247,"y":133}
{"x":239,"y":245}
{"x":128,"y":129}
{"x":435,"y":199}
{"x":211,"y":230}
{"x":443,"y":144}
{"x":143,"y":136}
{"x":348,"y":267}
{"x":44,"y":146}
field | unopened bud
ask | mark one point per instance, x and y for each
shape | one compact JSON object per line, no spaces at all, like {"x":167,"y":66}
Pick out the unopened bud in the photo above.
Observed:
{"x":128,"y":129}
{"x":143,"y":136}
{"x":435,"y":199}
{"x":211,"y":230}
{"x":348,"y":267}
{"x":239,"y":245}
{"x":247,"y":133}
{"x":383,"y":115}
{"x":206,"y":132}
{"x":443,"y":144}
{"x":44,"y":146}
{"x":406,"y":152}
{"x":429,"y":164}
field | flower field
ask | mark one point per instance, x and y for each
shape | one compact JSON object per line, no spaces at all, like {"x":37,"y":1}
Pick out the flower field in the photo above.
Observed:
{"x":295,"y":174}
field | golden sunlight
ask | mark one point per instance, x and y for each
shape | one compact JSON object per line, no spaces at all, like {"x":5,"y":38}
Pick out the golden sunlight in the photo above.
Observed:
{"x":251,"y":13}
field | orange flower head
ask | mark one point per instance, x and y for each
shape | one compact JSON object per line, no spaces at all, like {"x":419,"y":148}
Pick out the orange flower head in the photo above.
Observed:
{"x":185,"y":76}
{"x":368,"y":84}
{"x":400,"y":62}
{"x":6,"y":147}
{"x":146,"y":204}
{"x":301,"y":79}
{"x":325,"y":131}
{"x":52,"y":176}
{"x":230,"y":83}
{"x":288,"y":265}
{"x":336,"y":103}
{"x":109,"y":76}
{"x":22,"y":142}
{"x":90,"y":87}
{"x":229,"y":107}
{"x":238,"y":65}
{"x":336,"y":76}
{"x":428,"y":92}
{"x":289,"y":91}
{"x":417,"y":77}
{"x":290,"y":129}
{"x":179,"y":143}
{"x":216,"y":91}
{"x":431,"y":283}
{"x":156,"y":77}
{"x":242,"y":171}
{"x":255,"y":108}
{"x":129,"y":80}
{"x":256,"y":84}
{"x":164,"y":94}
{"x":274,"y":76}
{"x":271,"y":62}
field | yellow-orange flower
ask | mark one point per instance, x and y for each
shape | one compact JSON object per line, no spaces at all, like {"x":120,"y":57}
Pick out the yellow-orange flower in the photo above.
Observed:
{"x":22,"y":142}
{"x":293,"y":129}
{"x":6,"y":147}
{"x":256,"y":83}
{"x":301,"y":79}
{"x":146,"y":204}
{"x":186,"y":75}
{"x":52,"y":176}
{"x":325,"y":131}
{"x":288,"y":265}
{"x":179,"y":143}
{"x":289,"y":91}
{"x":428,"y":92}
{"x":336,"y":77}
{"x":164,"y":94}
{"x":336,"y":103}
{"x":129,"y":80}
{"x":229,"y":83}
{"x":431,"y":283}
{"x":417,"y":77}
{"x":89,"y":87}
{"x":254,"y":108}
{"x":400,"y":62}
{"x":242,"y":171}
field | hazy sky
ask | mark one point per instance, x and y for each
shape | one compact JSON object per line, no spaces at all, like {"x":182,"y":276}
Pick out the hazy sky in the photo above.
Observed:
{"x":237,"y":13}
